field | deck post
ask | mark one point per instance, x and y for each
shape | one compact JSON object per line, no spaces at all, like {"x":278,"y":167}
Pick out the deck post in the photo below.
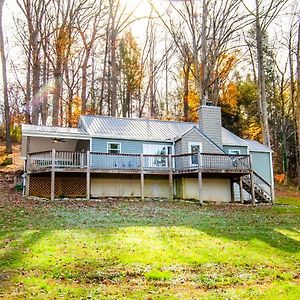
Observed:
{"x":200,"y":185}
{"x":27,"y":185}
{"x":272,"y":180}
{"x":252,"y":188}
{"x":88,"y":175}
{"x":232,"y":190}
{"x":142,"y":176}
{"x":53,"y":175}
{"x":171,"y":193}
{"x":252,"y":183}
{"x":241,"y":190}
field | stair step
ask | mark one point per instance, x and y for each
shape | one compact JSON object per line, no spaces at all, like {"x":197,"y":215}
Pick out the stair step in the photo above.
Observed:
{"x":260,"y":194}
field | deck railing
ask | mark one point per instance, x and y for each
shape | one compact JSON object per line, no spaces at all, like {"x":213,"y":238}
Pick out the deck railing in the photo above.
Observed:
{"x":39,"y":160}
{"x":57,"y":159}
{"x":224,"y":161}
{"x":112,"y":161}
{"x":135,"y":162}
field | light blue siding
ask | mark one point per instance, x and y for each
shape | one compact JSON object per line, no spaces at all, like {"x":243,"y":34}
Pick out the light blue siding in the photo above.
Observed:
{"x":261,"y":165}
{"x":181,"y":146}
{"x":242,"y":149}
{"x":210,"y":123}
{"x":127,"y":146}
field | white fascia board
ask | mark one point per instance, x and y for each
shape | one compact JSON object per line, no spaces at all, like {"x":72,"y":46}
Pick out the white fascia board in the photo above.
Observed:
{"x":56,"y":135}
{"x":130,"y":139}
{"x":234,"y":145}
{"x":260,"y":151}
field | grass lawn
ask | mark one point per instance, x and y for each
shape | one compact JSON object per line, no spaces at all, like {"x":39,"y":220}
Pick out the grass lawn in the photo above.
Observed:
{"x":150,"y":250}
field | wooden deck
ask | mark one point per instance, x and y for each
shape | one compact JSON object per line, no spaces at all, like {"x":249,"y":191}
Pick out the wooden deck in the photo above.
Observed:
{"x":94,"y":162}
{"x":237,"y":168}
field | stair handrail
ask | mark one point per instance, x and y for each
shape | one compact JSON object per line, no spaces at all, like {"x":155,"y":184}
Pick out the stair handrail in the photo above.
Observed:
{"x":258,"y":180}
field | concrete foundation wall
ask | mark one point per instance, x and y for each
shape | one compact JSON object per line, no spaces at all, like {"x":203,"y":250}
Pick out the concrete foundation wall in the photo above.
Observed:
{"x":236,"y":190}
{"x":214,"y":189}
{"x":129,"y":187}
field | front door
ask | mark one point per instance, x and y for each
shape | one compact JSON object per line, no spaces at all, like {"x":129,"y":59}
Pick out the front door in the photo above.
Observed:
{"x":194,"y":148}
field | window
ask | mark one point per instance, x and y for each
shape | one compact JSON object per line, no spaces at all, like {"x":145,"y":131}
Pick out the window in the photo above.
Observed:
{"x":113,"y":148}
{"x":234,"y":151}
{"x":194,"y":148}
{"x":156,"y":149}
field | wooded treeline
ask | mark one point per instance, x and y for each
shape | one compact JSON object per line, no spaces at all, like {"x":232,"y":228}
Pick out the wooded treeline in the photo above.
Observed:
{"x":84,"y":57}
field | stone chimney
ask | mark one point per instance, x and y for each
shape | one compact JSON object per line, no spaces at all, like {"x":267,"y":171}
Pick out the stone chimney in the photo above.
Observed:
{"x":210,"y":123}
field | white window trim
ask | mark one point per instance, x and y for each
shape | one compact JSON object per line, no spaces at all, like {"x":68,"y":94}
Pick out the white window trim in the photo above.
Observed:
{"x":117,"y":143}
{"x":164,"y":145}
{"x":233,"y":152}
{"x":190,"y":151}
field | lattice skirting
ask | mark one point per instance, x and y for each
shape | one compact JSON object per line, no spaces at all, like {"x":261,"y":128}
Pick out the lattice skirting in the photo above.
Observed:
{"x":66,"y":185}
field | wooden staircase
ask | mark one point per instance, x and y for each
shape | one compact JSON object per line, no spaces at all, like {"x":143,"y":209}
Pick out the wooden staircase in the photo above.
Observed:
{"x":262,"y":189}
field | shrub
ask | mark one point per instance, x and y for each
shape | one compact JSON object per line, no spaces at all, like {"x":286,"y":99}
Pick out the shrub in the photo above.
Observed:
{"x":19,"y":187}
{"x":6,"y":161}
{"x":280,"y":178}
{"x":16,"y":133}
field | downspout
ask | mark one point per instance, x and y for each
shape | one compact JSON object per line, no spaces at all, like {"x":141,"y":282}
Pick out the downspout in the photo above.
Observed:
{"x":173,"y":162}
{"x":272,"y":179}
{"x":24,"y":175}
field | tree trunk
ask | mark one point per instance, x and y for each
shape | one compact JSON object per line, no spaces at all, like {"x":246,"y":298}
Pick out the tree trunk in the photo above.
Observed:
{"x":167,"y":77}
{"x":153,"y":105}
{"x":262,"y":97}
{"x":44,"y":112}
{"x":28,"y":90}
{"x":187,"y":68}
{"x":84,"y":83}
{"x":56,"y":93}
{"x":297,"y":108}
{"x":36,"y":71}
{"x":203,"y":85}
{"x":113,"y":111}
{"x":104,"y":77}
{"x":5,"y":92}
{"x":93,"y":96}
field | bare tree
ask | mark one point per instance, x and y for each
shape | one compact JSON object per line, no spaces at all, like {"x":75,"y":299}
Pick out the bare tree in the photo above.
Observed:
{"x":291,"y":43}
{"x":89,"y":30}
{"x":66,"y":12}
{"x":209,"y":28}
{"x":297,"y":108}
{"x":183,"y":29}
{"x":34,"y":12}
{"x":264,"y":14}
{"x":5,"y":87}
{"x":119,"y":20}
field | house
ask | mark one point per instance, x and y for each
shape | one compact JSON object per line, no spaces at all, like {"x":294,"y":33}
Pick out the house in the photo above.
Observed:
{"x":120,"y":157}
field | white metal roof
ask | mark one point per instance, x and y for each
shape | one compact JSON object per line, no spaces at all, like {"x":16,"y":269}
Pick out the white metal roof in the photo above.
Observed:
{"x":138,"y":129}
{"x":230,"y":139}
{"x":38,"y":130}
{"x":257,"y":147}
